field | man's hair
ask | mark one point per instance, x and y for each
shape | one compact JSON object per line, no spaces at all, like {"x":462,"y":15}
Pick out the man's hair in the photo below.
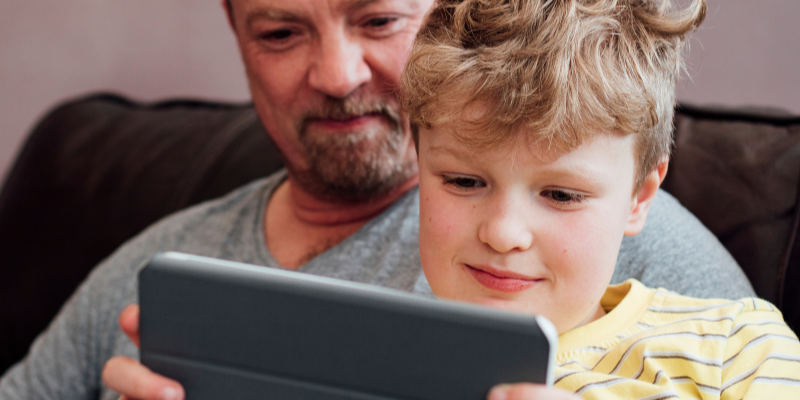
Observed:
{"x":563,"y":69}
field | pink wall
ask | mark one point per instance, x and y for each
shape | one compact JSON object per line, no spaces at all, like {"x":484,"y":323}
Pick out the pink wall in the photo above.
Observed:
{"x":146,"y":49}
{"x":746,"y":53}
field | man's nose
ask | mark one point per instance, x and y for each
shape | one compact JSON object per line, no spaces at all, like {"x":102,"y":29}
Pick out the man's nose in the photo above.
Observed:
{"x":505,"y":229}
{"x":340,"y":67}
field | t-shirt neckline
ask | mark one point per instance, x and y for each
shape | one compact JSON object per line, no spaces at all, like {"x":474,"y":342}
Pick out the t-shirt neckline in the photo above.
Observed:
{"x":625,"y":304}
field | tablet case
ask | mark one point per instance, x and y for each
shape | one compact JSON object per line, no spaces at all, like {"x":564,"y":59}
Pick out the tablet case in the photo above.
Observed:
{"x":232,"y":331}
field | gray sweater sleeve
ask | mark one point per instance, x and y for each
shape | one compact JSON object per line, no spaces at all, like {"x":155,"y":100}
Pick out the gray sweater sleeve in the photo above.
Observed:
{"x":675,"y":251}
{"x":67,"y":360}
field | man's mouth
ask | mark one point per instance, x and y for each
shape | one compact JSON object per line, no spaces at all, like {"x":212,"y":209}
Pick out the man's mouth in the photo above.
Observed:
{"x":501,"y":280}
{"x":345,"y":123}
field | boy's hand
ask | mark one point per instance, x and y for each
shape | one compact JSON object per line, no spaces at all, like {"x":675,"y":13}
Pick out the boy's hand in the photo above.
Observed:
{"x":529,"y":391}
{"x":133,"y":380}
{"x":129,"y":377}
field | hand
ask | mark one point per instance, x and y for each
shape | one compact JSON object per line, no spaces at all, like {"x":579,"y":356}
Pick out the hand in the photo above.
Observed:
{"x":129,"y":377}
{"x":529,"y":391}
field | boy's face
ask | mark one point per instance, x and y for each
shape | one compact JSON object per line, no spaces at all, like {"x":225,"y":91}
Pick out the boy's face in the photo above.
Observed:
{"x":516,"y":228}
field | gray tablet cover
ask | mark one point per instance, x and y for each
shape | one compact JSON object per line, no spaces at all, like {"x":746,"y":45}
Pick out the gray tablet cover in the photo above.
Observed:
{"x":228,"y":331}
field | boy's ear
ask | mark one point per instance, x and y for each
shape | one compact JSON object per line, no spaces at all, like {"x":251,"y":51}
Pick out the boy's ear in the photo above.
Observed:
{"x":640,"y":205}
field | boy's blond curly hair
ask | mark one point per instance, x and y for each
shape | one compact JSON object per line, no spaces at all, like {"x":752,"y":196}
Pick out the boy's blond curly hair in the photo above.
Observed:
{"x":563,"y":69}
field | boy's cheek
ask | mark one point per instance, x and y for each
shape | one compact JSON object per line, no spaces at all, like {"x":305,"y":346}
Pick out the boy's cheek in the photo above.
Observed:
{"x":440,"y":225}
{"x":445,"y":226}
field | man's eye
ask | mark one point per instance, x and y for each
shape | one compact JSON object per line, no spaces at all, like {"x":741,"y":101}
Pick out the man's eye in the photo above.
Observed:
{"x":281,"y":34}
{"x":379,"y":22}
{"x":563,"y":197}
{"x":462,"y":182}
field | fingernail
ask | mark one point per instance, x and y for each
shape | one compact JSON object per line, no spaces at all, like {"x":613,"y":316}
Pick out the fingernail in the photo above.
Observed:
{"x":169,"y":393}
{"x":498,"y":393}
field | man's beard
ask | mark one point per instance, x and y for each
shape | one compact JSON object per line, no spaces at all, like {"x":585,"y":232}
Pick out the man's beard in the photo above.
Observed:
{"x":359,"y":165}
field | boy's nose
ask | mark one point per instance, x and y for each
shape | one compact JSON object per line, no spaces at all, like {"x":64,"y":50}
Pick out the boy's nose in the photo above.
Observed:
{"x":505,"y":231}
{"x":339,"y":67}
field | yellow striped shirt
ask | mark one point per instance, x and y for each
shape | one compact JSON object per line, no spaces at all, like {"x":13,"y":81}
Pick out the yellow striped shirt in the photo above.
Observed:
{"x":654,"y":344}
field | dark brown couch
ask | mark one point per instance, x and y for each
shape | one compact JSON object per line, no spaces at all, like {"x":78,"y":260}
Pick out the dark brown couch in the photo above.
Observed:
{"x":97,"y":170}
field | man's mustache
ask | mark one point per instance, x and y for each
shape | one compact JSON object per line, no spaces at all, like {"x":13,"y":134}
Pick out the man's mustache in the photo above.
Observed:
{"x":343,"y":109}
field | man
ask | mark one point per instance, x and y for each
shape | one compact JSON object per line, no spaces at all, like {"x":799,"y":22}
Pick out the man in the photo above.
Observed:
{"x":322,"y":75}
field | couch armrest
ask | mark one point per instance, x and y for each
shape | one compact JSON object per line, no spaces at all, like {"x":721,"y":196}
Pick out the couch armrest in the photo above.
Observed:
{"x":95,"y":172}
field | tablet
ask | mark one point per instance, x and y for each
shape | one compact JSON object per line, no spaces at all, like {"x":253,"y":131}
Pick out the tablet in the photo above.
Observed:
{"x":227,"y":330}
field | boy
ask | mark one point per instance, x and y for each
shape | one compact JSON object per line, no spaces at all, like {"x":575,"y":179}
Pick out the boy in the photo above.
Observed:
{"x":543,"y":130}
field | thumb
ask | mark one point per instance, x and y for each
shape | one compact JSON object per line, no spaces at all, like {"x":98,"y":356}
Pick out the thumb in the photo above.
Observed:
{"x":529,"y":391}
{"x":129,"y":322}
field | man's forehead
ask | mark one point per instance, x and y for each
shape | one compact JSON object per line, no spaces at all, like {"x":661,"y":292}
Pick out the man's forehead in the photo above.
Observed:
{"x":281,"y":10}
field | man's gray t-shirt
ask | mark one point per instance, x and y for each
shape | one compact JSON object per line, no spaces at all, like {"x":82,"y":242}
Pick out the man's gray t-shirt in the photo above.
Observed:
{"x":674,"y":251}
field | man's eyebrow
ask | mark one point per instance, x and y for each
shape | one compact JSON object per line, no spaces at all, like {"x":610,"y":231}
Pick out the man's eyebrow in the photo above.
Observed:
{"x":408,"y":6}
{"x":357,"y":4}
{"x":272,"y":14}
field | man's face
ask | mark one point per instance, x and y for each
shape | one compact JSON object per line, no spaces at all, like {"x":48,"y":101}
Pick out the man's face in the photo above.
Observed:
{"x":323,"y":75}
{"x":517,"y":228}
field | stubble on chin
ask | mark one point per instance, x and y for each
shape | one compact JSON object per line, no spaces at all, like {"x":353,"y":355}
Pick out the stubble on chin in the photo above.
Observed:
{"x":356,"y":166}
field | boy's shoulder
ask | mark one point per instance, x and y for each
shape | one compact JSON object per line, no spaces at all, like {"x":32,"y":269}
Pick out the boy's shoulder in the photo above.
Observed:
{"x":660,"y":343}
{"x":726,"y":321}
{"x":667,"y":305}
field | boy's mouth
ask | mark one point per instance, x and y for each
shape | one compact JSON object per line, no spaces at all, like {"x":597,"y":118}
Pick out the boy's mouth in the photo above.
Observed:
{"x":500,"y":280}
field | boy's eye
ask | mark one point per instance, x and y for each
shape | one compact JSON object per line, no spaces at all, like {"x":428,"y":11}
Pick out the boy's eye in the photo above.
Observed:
{"x":562,"y":197}
{"x":463,"y":182}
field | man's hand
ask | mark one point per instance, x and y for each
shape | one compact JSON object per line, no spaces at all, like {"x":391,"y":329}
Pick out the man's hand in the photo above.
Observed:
{"x":130,"y":378}
{"x":133,"y":380}
{"x":529,"y":391}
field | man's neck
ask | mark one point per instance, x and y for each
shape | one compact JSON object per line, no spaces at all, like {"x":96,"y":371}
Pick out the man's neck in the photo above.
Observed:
{"x":299,"y":226}
{"x":314,"y":211}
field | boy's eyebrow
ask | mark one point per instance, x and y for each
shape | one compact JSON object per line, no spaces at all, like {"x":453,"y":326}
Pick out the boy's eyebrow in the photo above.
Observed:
{"x":588,"y":175}
{"x":449,"y":150}
{"x":584,"y":172}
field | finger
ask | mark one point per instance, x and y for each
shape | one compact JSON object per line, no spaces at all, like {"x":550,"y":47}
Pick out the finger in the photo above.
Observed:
{"x":133,"y":380}
{"x":129,"y":322}
{"x":529,"y":391}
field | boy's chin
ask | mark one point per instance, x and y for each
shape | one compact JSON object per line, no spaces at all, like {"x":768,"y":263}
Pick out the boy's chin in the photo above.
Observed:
{"x":505,"y":305}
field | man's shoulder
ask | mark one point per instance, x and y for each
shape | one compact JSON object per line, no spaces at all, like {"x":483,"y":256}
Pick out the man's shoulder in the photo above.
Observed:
{"x":204,"y":229}
{"x":675,"y":251}
{"x":248,"y":199}
{"x":668,"y":222}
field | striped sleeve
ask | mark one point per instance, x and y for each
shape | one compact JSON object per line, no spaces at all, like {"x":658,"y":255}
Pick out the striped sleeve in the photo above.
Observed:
{"x":762,"y":356}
